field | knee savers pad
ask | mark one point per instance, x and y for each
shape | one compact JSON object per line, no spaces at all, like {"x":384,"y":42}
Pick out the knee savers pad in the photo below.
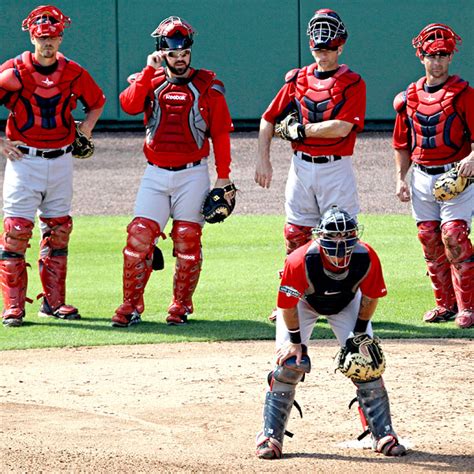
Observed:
{"x":291,"y":373}
{"x":456,"y":241}
{"x":187,"y":240}
{"x":16,"y":235}
{"x":142,"y":234}
{"x":296,"y":236}
{"x":57,"y":234}
{"x":429,"y":234}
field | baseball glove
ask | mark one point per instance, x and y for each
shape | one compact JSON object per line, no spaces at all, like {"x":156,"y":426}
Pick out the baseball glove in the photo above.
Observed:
{"x":290,"y":129}
{"x":450,"y":184}
{"x":82,"y":146}
{"x":361,"y":359}
{"x":219,"y":203}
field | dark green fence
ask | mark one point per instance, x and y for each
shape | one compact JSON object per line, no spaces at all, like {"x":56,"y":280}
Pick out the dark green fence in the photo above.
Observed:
{"x":250,"y":44}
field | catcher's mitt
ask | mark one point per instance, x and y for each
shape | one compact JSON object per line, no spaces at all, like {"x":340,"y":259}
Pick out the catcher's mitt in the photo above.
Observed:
{"x":82,"y":146}
{"x":219,"y":203}
{"x":290,"y":129}
{"x":450,"y":184}
{"x":361,"y":359}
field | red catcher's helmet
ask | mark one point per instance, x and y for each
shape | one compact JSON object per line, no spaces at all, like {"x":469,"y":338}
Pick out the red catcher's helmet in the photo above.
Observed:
{"x":326,"y":30}
{"x":46,"y":20}
{"x":436,"y":38}
{"x":173,"y":33}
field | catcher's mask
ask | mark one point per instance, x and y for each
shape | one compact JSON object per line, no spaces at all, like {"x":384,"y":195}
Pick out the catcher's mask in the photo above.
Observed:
{"x":338,"y":234}
{"x":326,"y":30}
{"x":173,"y":33}
{"x":46,"y":20}
{"x":434,"y":39}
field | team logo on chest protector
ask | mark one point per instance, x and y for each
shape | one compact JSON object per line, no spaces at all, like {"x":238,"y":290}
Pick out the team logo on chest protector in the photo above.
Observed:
{"x":174,"y":98}
{"x":437,"y":129}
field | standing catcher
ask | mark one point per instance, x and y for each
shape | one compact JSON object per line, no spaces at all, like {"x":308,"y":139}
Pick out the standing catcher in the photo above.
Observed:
{"x":41,"y":90}
{"x":320,"y":109}
{"x":340,"y":277}
{"x":183,"y":108}
{"x":434,"y":130}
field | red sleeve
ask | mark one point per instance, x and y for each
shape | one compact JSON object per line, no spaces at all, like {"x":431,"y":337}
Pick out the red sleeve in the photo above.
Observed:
{"x":220,"y":126}
{"x":281,"y":104}
{"x":89,"y":93}
{"x":401,"y":132}
{"x":373,"y":285}
{"x":221,"y":144}
{"x":465,"y":107}
{"x":133,"y":99}
{"x":293,"y":282}
{"x":353,"y":110}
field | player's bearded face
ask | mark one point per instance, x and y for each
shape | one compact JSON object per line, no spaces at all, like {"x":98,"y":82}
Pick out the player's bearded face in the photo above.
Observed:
{"x":178,"y":62}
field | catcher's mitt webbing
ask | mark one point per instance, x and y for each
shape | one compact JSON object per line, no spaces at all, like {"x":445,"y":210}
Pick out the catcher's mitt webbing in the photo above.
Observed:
{"x":361,"y":359}
{"x":290,"y":128}
{"x":82,"y":146}
{"x":451,"y":184}
{"x":219,"y":203}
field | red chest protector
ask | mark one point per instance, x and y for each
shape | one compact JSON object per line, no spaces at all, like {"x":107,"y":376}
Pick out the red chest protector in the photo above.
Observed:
{"x":175,"y":122}
{"x":41,"y":111}
{"x":322,"y":99}
{"x":438,"y":132}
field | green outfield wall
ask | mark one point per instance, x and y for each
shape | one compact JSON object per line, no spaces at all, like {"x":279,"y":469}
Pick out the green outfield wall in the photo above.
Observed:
{"x":250,"y":44}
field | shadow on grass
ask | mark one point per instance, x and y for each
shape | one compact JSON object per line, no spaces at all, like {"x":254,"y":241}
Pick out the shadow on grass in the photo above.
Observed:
{"x":238,"y":329}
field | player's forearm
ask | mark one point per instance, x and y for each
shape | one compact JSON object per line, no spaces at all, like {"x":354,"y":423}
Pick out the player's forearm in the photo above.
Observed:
{"x":90,"y":120}
{"x":367,"y":307}
{"x":265,"y":135}
{"x":402,"y":163}
{"x":328,"y":129}
{"x":221,"y":145}
{"x":366,"y":311}
{"x":290,"y":316}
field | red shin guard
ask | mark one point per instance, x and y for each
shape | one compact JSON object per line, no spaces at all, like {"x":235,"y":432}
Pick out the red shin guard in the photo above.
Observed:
{"x":296,"y":236}
{"x":439,"y":268}
{"x":187,"y":250}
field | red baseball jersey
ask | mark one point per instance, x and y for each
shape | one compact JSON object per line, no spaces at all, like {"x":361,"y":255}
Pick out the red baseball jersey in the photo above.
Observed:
{"x":435,"y":124}
{"x":41,"y":99}
{"x":341,"y":96}
{"x":304,"y":278}
{"x":180,"y":115}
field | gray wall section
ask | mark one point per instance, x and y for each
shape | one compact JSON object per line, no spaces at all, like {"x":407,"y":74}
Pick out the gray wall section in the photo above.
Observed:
{"x":250,"y":44}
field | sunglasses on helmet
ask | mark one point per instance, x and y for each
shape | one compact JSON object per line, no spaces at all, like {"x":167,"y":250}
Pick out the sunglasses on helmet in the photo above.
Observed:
{"x":182,"y":53}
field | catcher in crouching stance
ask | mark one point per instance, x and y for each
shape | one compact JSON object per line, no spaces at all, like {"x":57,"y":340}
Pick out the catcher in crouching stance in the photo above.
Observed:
{"x":340,"y":277}
{"x":183,"y":107}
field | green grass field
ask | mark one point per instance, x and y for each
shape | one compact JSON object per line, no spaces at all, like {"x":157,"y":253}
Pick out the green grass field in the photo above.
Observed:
{"x":237,"y":289}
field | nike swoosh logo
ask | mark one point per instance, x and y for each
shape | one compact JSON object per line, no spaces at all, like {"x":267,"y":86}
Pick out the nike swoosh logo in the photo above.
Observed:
{"x":328,"y":293}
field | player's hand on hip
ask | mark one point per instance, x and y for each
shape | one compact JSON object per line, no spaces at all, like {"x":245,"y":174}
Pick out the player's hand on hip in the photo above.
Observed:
{"x":403,"y":191}
{"x":289,"y":350}
{"x":155,"y":59}
{"x":466,"y":166}
{"x":263,"y":173}
{"x":9,"y":149}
